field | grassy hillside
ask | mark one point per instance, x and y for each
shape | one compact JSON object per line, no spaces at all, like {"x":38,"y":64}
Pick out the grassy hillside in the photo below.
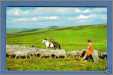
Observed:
{"x":70,"y":38}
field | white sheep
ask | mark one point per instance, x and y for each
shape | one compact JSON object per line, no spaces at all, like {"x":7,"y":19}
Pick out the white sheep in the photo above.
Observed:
{"x":74,"y":53}
{"x":95,"y":56}
{"x":19,"y":54}
{"x":44,"y":52}
{"x":10,"y":51}
{"x":58,"y":53}
{"x":10,"y":54}
{"x":23,"y":53}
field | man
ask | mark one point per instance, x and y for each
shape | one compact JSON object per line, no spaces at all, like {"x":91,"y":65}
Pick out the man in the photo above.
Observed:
{"x":89,"y":52}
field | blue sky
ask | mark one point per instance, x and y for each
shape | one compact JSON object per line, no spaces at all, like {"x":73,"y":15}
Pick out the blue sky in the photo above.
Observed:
{"x":40,"y":17}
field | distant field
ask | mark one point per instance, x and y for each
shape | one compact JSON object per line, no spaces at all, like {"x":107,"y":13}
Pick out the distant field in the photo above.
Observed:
{"x":70,"y":38}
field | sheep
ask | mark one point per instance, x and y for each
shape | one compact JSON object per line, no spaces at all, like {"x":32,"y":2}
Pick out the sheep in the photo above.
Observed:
{"x":21,"y":51}
{"x":59,"y":53}
{"x":32,"y":51}
{"x":10,"y":52}
{"x":74,"y":54}
{"x":44,"y":53}
{"x":37,"y":54}
{"x":22,"y":54}
{"x":95,"y":56}
{"x":19,"y":54}
{"x":51,"y":53}
{"x":102,"y":55}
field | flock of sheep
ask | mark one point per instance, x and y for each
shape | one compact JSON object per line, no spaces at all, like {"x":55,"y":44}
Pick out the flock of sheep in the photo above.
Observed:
{"x":16,"y":51}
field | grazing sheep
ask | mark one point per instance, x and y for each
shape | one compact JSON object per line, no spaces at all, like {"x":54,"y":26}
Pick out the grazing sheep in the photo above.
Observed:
{"x":37,"y":54}
{"x":82,"y":54}
{"x":103,"y":55}
{"x":74,"y":54}
{"x":32,"y":51}
{"x":10,"y":54}
{"x":44,"y":53}
{"x":17,"y":51}
{"x":19,"y":54}
{"x":95,"y":56}
{"x":59,"y":53}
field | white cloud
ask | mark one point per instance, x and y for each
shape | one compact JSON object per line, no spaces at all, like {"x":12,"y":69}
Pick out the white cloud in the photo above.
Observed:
{"x":34,"y":19}
{"x":48,"y":17}
{"x":50,"y":10}
{"x":80,"y":11}
{"x":17,"y":12}
{"x":83,"y":17}
{"x":77,"y":10}
{"x":31,"y":19}
{"x":87,"y":11}
{"x":22,"y":20}
{"x":60,"y":10}
{"x":45,"y":14}
{"x":53,"y":17}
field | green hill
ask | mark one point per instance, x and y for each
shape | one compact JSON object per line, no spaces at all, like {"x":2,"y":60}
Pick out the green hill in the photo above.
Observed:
{"x":70,"y":38}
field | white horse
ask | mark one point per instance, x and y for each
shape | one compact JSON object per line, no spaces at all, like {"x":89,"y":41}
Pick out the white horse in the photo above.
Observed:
{"x":47,"y":43}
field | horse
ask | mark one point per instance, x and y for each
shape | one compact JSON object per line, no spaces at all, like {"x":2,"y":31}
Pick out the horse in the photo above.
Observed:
{"x":51,"y":44}
{"x":56,"y":44}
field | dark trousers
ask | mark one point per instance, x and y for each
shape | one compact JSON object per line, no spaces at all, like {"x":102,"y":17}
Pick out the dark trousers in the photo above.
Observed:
{"x":89,"y":58}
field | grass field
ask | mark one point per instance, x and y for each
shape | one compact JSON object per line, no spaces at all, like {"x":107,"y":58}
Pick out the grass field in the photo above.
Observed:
{"x":67,"y":64}
{"x":70,"y":38}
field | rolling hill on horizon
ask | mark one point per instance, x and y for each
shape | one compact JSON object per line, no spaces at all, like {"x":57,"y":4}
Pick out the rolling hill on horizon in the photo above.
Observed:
{"x":17,"y":30}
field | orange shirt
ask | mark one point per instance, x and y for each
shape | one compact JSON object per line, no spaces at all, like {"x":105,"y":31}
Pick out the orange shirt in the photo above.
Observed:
{"x":90,"y":49}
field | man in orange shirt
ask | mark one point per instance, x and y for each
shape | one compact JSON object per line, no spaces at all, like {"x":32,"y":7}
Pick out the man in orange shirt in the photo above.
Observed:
{"x":89,"y":52}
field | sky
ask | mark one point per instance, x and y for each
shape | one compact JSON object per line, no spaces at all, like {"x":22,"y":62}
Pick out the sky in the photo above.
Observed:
{"x":41,"y":17}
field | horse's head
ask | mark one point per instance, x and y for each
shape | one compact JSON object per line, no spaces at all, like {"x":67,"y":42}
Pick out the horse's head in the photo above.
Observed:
{"x":44,"y":40}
